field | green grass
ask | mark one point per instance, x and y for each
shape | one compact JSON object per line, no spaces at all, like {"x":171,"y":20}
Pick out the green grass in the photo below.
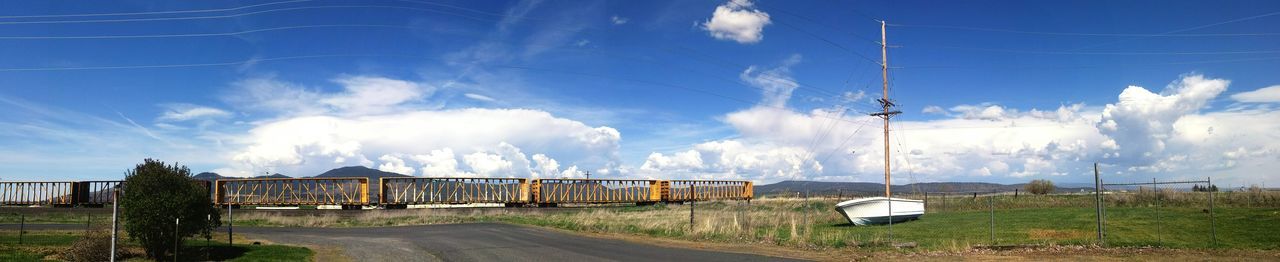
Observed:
{"x":221,"y":252}
{"x":39,"y":238}
{"x":16,"y":254}
{"x":36,"y":244}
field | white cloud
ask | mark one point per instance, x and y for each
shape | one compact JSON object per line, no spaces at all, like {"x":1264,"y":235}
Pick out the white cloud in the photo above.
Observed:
{"x":479,"y":97}
{"x":360,"y":95}
{"x":440,"y":163}
{"x":365,"y":95}
{"x":1142,"y":122}
{"x":618,"y":20}
{"x":734,"y":159}
{"x":776,"y":83}
{"x":394,"y":165}
{"x":737,"y":20}
{"x":185,"y":112}
{"x":934,"y":110}
{"x":1142,"y":135}
{"x":1270,"y":94}
{"x":490,"y":140}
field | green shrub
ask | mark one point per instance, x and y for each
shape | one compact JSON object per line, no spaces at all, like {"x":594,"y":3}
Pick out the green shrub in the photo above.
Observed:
{"x":154,"y":196}
{"x":1040,"y":186}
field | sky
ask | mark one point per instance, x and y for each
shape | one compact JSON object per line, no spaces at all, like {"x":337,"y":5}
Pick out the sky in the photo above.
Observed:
{"x":991,"y":91}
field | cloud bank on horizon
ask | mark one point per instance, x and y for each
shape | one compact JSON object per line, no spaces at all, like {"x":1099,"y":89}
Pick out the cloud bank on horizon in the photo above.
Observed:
{"x":383,"y":123}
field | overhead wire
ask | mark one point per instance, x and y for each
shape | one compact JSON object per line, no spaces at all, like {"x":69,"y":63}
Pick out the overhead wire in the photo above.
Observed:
{"x":208,"y":17}
{"x":242,"y":32}
{"x":154,"y":12}
{"x":1098,"y":52}
{"x":984,"y":29}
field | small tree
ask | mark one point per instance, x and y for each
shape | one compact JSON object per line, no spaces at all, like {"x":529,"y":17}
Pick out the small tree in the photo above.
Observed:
{"x":1039,"y":186}
{"x":154,"y":195}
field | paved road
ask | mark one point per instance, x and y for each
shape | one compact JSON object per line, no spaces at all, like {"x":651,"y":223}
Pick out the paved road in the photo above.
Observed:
{"x":482,"y":242}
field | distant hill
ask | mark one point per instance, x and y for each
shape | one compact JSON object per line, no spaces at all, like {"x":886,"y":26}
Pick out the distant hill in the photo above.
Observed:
{"x":276,"y":175}
{"x":207,"y":176}
{"x":862,"y":188}
{"x":359,"y":171}
{"x":210,"y":176}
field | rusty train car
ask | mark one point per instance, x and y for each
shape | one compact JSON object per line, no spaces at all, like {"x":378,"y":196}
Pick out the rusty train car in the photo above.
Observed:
{"x":400,"y":192}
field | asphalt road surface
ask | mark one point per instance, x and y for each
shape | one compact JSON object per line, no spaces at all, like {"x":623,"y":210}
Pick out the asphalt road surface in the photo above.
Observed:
{"x":481,"y":242}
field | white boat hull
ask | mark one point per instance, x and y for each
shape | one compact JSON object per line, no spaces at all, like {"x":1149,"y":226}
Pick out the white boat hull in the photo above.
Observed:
{"x":875,"y":210}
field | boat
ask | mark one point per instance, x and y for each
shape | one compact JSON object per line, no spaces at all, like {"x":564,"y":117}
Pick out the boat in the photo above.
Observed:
{"x":882,"y":210}
{"x":875,"y":210}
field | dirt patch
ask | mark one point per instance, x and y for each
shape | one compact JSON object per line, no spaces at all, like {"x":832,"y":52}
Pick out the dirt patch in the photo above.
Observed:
{"x":1050,"y":234}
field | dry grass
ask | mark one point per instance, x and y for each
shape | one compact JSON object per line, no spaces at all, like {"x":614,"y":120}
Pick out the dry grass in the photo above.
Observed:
{"x":813,"y":225}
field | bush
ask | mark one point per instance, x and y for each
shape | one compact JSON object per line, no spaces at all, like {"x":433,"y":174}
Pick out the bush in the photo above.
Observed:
{"x":154,"y":195}
{"x":1040,"y":186}
{"x":93,"y":246}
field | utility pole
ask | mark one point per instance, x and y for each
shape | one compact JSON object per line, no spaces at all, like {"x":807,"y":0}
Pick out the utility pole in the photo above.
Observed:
{"x":588,"y":174}
{"x":885,"y":104}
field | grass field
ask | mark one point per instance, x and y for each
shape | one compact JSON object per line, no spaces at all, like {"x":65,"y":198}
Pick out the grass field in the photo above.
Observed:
{"x":815,"y":225}
{"x":45,"y":245}
{"x":1244,"y":220}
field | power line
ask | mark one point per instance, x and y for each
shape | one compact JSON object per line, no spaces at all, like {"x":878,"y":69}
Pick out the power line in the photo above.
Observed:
{"x":196,"y":34}
{"x":1183,"y":30}
{"x":829,"y":42}
{"x":154,"y":12}
{"x":1251,"y":59}
{"x":1100,"y":52}
{"x":240,"y":15}
{"x":970,"y":28}
{"x":816,"y":22}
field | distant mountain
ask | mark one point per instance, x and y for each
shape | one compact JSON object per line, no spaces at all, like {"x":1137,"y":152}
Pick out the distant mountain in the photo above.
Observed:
{"x":207,"y":176}
{"x":359,"y":171}
{"x":862,"y":188}
{"x":276,"y":175}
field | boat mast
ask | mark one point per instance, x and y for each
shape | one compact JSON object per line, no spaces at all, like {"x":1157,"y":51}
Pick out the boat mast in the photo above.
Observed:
{"x":885,"y":104}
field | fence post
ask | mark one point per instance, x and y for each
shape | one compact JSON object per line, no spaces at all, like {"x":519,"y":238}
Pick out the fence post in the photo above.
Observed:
{"x":691,"y":203}
{"x":806,"y":211}
{"x":1213,"y":223}
{"x":231,"y":221}
{"x":944,"y":201}
{"x":176,"y":221}
{"x":115,"y":222}
{"x":22,"y":226}
{"x":991,"y":203}
{"x":926,"y":201}
{"x":1097,"y":197}
{"x":1155,"y":187}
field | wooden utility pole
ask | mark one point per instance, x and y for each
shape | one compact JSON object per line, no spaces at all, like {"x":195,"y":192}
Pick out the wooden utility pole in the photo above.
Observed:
{"x":885,"y":104}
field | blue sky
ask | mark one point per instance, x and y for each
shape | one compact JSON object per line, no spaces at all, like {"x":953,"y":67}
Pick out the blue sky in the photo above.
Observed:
{"x":999,"y":91}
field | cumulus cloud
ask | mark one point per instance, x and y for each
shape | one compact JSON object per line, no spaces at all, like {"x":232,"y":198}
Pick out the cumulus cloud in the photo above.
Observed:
{"x":185,"y":112}
{"x":776,"y":83}
{"x":1270,"y":94}
{"x":1143,"y":134}
{"x":737,"y":20}
{"x":1141,"y":123}
{"x":376,"y":121}
{"x":394,"y":164}
{"x":734,"y":159}
{"x":491,"y":142}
